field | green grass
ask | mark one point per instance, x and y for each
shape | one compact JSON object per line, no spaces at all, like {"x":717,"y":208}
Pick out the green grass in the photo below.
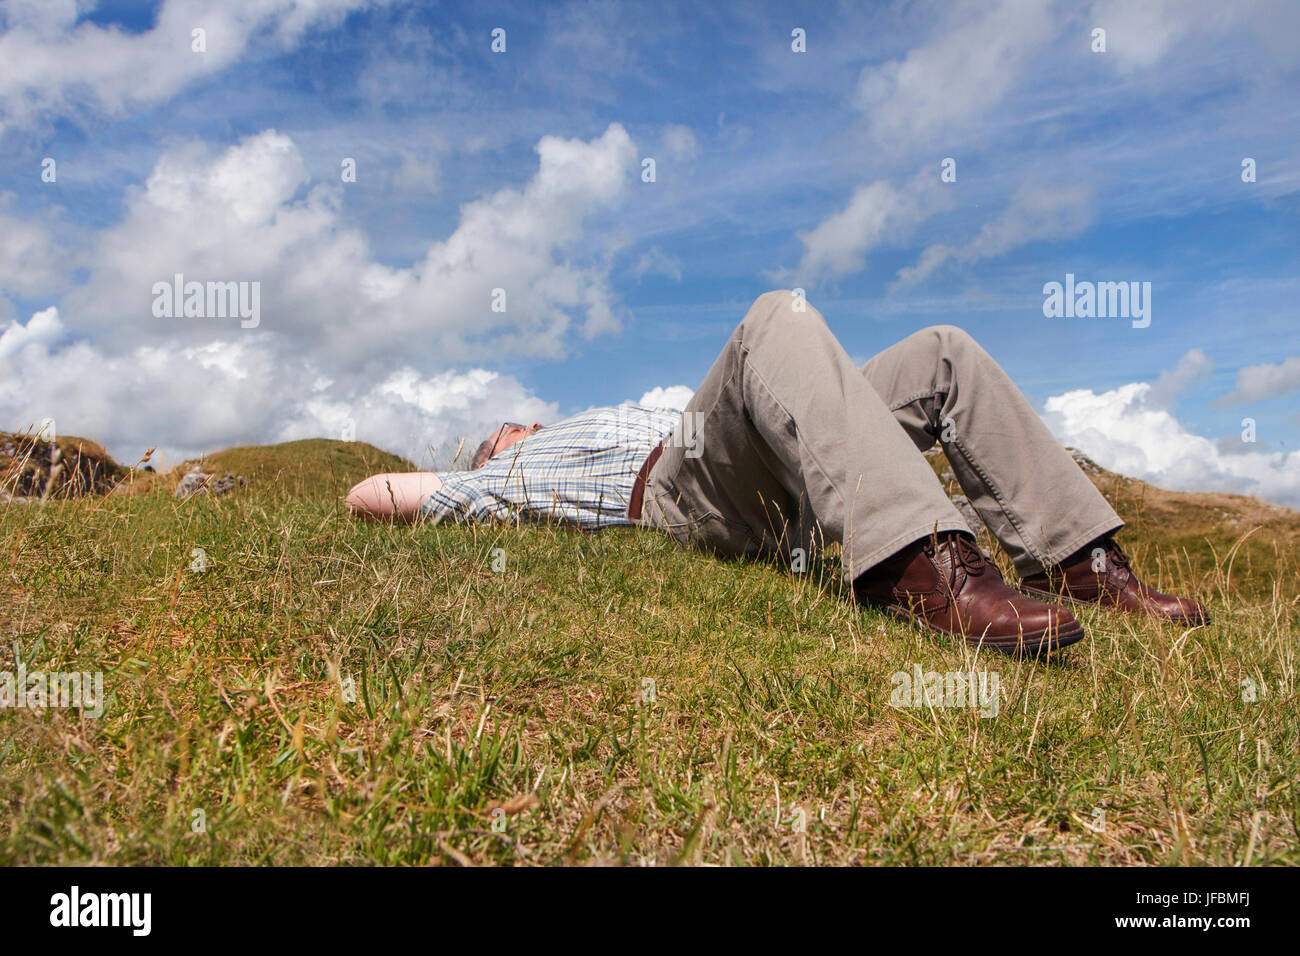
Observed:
{"x":312,"y":468}
{"x":503,"y":716}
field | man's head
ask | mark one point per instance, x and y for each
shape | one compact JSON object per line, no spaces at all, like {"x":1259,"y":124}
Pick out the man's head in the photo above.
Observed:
{"x":501,"y":439}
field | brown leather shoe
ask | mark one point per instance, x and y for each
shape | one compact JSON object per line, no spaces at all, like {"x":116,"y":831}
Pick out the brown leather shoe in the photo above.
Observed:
{"x":946,"y":584}
{"x":1106,"y":579}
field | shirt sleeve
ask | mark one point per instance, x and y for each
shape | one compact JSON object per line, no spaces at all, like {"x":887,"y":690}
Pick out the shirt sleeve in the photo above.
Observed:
{"x":461,"y":499}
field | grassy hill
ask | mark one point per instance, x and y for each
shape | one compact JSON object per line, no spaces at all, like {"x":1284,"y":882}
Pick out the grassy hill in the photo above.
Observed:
{"x":313,"y":468}
{"x":287,"y":685}
{"x":33,"y":467}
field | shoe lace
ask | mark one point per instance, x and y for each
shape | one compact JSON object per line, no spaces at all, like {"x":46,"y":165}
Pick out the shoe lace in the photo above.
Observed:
{"x":1115,"y":555}
{"x":1119,"y":572}
{"x":965,"y":554}
{"x":968,"y":554}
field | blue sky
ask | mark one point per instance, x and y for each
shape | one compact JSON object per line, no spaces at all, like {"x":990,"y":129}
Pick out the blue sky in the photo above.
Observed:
{"x":521,"y":170}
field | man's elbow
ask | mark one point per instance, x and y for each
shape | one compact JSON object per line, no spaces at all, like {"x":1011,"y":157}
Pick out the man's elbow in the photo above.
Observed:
{"x":392,"y":496}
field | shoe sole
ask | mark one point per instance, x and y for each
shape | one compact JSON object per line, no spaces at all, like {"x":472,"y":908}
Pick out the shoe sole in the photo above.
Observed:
{"x":1075,"y":602}
{"x":1033,"y":644}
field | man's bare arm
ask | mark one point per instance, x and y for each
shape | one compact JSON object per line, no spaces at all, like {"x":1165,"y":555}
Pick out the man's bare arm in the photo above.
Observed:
{"x":397,"y":495}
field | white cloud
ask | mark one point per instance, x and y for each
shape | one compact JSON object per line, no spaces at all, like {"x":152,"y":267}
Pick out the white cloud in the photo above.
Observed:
{"x":30,"y":261}
{"x":41,"y":331}
{"x":57,"y":66}
{"x":671,"y":396}
{"x":415,"y":174}
{"x":951,"y":80}
{"x":193,"y":399}
{"x":512,"y":239}
{"x":165,"y":394}
{"x":338,"y":330}
{"x":1034,"y":212}
{"x":679,"y":143}
{"x":655,"y":260}
{"x":876,"y":214}
{"x":1141,"y":35}
{"x":1193,"y":365}
{"x":423,"y":417}
{"x":1124,"y":430}
{"x":1138,"y":35}
{"x":1012,"y":77}
{"x":1255,"y":382}
{"x":262,"y":220}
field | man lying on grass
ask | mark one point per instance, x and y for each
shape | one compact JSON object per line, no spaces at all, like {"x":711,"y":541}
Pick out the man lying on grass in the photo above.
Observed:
{"x":787,"y":440}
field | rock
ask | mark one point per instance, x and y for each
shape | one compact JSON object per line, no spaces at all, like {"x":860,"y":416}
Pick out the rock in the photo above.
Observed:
{"x":192,"y":483}
{"x":1089,"y":466}
{"x":226,"y":482}
{"x":198,"y":482}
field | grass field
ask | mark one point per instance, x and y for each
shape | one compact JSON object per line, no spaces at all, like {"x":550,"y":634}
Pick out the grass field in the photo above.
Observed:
{"x":309,"y":689}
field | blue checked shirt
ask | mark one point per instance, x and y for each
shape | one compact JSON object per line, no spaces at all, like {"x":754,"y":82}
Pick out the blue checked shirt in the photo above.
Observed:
{"x":580,"y":470}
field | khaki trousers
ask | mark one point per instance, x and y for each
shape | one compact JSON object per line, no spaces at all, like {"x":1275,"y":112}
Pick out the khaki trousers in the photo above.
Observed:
{"x":787,"y":444}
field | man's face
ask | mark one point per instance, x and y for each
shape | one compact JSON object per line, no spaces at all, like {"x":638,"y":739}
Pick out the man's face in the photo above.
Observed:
{"x":505,"y":436}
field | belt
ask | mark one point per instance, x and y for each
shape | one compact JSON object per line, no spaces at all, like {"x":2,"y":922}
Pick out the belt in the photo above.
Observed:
{"x":638,"y":487}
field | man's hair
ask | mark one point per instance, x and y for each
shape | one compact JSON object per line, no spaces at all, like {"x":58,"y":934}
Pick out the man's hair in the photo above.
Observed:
{"x":484,"y":453}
